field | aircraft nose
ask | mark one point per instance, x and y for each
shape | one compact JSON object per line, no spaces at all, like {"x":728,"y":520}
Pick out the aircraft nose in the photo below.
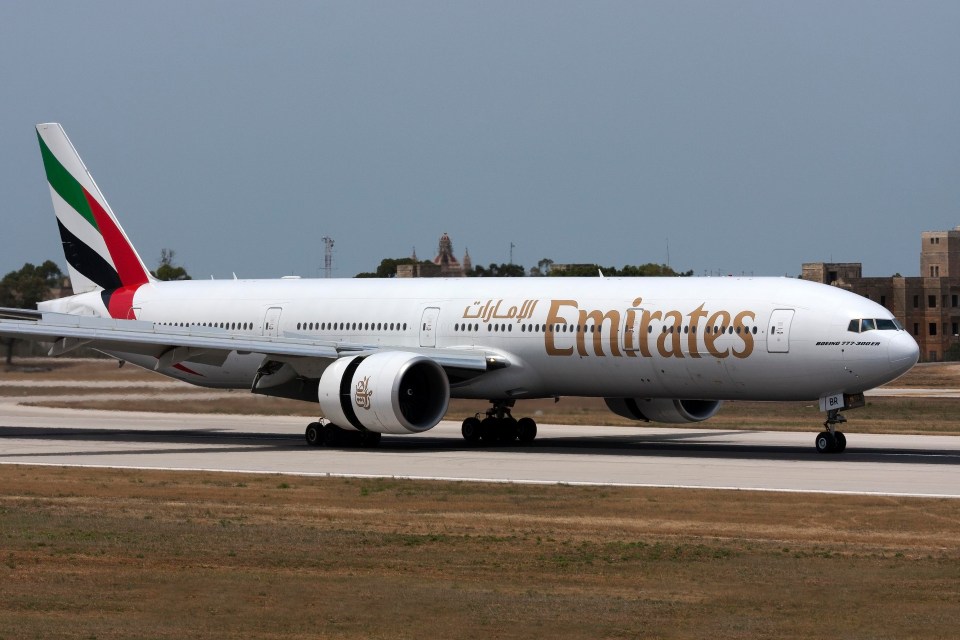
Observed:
{"x":903,"y":350}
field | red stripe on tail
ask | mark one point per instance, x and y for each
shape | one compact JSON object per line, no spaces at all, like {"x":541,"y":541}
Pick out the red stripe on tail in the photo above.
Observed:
{"x":129,"y":267}
{"x":121,"y":303}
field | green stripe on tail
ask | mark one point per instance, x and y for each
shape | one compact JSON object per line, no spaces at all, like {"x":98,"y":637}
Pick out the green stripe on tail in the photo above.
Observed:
{"x":65,"y":184}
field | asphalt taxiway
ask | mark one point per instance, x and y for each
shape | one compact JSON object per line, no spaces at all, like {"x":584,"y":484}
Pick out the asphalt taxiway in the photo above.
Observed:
{"x":902,"y":465}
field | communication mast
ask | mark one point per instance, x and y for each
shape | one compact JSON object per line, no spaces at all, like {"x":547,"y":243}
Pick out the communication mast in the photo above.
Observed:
{"x":327,"y":257}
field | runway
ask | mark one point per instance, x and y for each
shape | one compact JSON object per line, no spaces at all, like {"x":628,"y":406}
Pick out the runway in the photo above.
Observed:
{"x":895,"y":465}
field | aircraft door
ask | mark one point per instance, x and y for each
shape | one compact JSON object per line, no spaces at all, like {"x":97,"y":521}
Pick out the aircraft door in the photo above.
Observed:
{"x":631,"y":330}
{"x":428,"y":327}
{"x":271,"y":322}
{"x":778,"y":338}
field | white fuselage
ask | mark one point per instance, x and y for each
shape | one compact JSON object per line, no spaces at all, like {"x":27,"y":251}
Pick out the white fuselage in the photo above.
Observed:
{"x":702,"y":338}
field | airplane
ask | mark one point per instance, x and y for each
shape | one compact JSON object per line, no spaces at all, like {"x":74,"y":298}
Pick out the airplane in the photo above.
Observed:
{"x":386,"y":355}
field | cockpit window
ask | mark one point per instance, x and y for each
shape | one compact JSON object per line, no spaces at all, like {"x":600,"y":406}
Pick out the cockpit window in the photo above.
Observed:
{"x":859,"y":325}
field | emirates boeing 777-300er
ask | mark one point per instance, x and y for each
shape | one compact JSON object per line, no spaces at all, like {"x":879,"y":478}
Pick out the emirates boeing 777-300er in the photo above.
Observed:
{"x":386,"y":356}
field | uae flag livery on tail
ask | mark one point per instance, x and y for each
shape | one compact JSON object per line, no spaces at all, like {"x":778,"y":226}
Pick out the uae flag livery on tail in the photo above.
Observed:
{"x":99,"y":254}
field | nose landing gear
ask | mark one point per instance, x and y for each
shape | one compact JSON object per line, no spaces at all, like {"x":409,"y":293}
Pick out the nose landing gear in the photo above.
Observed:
{"x":831,"y":440}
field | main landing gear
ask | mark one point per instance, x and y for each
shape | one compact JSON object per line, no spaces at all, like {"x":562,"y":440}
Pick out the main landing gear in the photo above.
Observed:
{"x":499,"y":426}
{"x":319,"y":434}
{"x":831,"y":440}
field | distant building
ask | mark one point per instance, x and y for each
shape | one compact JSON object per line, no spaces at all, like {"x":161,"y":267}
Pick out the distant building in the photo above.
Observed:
{"x":445,"y":265}
{"x":928,"y":306}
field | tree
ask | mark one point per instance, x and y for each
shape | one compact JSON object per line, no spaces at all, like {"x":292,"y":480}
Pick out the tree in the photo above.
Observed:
{"x":167,"y":269}
{"x":502,"y":270}
{"x":388,"y":268}
{"x":582,"y":271}
{"x":23,"y":289}
{"x":649,"y":269}
{"x":543,"y":267}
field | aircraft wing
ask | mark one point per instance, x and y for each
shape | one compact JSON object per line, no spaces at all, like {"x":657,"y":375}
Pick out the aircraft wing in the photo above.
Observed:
{"x":20,"y":314}
{"x":172,"y":345}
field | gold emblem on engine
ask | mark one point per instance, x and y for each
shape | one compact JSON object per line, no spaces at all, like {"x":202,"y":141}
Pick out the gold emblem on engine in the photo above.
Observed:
{"x":363,"y":393}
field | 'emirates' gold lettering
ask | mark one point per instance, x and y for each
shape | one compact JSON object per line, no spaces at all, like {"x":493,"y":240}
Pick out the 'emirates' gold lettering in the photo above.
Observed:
{"x":719,"y":333}
{"x":553,"y":320}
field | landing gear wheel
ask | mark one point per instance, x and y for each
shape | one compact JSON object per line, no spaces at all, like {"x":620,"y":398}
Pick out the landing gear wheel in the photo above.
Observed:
{"x":507,"y":430}
{"x":499,"y":427}
{"x":471,"y":430}
{"x":489,"y":430}
{"x":826,"y":442}
{"x":332,"y":435}
{"x":314,"y":434}
{"x":841,"y":441}
{"x":526,"y":430}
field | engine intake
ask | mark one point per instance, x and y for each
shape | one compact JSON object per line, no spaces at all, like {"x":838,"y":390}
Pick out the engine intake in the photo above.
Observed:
{"x":387,"y":392}
{"x":664,"y":409}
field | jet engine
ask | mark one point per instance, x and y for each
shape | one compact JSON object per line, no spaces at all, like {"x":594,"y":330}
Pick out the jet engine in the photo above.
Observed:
{"x":387,"y":392}
{"x":663,"y":409}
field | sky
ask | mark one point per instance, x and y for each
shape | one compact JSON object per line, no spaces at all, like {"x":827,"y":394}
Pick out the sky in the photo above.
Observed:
{"x":726,"y":137}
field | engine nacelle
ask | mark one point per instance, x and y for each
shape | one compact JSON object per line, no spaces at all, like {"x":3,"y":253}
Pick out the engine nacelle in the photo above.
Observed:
{"x":387,"y":392}
{"x":663,"y":409}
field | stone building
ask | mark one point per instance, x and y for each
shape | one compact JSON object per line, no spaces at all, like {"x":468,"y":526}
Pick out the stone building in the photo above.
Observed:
{"x":927,"y":306}
{"x":445,"y":265}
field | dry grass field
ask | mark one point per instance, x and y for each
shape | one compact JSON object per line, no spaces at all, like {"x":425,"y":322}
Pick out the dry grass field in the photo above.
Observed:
{"x":121,"y":554}
{"x":105,"y":554}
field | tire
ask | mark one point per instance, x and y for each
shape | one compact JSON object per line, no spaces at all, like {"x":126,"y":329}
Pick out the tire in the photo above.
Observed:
{"x":526,"y":430}
{"x":314,"y":434}
{"x":489,"y":429}
{"x":841,"y":442}
{"x":507,"y":430}
{"x":331,"y":435}
{"x":471,"y":430}
{"x":825,"y":442}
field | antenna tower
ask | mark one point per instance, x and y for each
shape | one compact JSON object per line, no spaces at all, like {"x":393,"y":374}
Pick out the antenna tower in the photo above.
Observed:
{"x":327,"y":257}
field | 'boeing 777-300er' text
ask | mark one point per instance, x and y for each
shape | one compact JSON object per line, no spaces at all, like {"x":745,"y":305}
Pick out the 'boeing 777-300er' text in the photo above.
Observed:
{"x":386,"y":356}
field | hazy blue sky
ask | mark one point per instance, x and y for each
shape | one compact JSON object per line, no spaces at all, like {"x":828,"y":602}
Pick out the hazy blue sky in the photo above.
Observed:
{"x":752,"y":136}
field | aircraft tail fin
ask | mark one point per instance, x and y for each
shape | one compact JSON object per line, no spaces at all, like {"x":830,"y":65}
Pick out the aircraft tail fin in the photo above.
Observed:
{"x":99,"y":254}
